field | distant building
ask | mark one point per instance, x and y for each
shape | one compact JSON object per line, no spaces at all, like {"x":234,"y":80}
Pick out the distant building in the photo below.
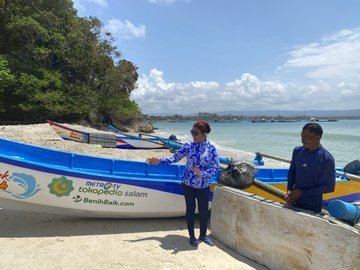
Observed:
{"x":206,"y":115}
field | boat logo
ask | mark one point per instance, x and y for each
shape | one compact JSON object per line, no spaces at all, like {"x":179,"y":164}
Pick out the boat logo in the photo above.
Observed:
{"x":4,"y":177}
{"x":20,"y":185}
{"x":61,"y":186}
{"x":77,"y":198}
{"x":108,"y":185}
{"x":304,"y":165}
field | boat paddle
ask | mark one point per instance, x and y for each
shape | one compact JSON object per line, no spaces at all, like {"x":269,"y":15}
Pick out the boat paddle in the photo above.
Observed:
{"x":149,"y":135}
{"x":116,"y":130}
{"x":177,"y":145}
{"x":164,"y":142}
{"x":347,"y":175}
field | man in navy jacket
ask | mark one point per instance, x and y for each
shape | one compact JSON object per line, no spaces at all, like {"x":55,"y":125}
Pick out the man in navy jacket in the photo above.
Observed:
{"x":311,"y":172}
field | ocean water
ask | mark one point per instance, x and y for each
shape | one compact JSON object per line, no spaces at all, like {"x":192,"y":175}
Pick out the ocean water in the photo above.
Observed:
{"x":340,"y":138}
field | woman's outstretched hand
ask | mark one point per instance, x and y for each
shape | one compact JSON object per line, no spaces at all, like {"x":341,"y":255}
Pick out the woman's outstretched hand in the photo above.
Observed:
{"x":153,"y":161}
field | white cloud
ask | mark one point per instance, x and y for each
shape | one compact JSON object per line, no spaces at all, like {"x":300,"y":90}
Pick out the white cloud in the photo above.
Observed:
{"x":125,"y":29}
{"x":156,"y":96}
{"x":335,"y":57}
{"x":332,"y":81}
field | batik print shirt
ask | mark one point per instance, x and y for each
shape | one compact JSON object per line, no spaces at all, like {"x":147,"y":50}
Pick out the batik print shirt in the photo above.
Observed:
{"x":201,"y":155}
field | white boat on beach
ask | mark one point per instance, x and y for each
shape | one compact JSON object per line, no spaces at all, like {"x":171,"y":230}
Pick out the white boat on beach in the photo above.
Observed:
{"x":109,"y":140}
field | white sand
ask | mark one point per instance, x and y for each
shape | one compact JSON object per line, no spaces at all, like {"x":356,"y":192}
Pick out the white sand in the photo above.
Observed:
{"x":42,"y":241}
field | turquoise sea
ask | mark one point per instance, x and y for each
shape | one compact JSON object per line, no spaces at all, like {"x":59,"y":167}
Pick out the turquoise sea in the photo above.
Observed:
{"x":341,"y":138}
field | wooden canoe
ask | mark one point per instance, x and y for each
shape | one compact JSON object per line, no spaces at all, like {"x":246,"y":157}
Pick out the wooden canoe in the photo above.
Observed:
{"x":106,"y":139}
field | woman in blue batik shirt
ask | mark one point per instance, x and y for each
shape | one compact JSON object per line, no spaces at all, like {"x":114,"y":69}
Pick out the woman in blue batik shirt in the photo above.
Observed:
{"x":202,"y":163}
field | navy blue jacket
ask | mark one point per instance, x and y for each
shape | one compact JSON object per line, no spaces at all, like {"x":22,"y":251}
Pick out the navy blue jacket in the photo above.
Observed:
{"x":313,"y":172}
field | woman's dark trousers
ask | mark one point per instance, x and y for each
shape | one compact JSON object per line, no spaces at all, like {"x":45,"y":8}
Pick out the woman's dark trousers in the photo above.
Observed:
{"x":202,"y":196}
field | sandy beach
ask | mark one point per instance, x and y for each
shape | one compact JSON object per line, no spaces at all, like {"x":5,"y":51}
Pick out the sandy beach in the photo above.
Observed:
{"x":43,"y":241}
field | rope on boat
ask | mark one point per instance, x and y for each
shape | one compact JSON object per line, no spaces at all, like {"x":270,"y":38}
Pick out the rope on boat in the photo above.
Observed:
{"x":116,"y":130}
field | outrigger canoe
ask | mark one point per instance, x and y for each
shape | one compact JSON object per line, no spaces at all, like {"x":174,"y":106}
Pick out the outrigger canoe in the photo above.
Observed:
{"x":38,"y":179}
{"x":111,"y":140}
{"x":106,"y":139}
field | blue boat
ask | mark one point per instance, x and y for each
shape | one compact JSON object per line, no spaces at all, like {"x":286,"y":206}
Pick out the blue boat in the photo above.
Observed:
{"x":44,"y":180}
{"x":38,"y":179}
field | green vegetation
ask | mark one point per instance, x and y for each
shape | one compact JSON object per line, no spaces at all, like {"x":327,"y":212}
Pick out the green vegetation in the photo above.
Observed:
{"x":56,"y":65}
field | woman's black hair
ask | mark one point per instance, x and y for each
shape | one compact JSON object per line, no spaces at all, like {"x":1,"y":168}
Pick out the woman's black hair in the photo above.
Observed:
{"x":203,"y":126}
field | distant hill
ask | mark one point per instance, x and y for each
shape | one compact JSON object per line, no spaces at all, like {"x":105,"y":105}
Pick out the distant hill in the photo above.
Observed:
{"x":284,"y":113}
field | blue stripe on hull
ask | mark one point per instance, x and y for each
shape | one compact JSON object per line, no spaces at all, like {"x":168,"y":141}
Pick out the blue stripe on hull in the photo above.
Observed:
{"x":170,"y":186}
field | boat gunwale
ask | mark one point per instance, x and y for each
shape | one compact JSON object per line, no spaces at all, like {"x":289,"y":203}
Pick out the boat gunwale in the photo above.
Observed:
{"x":113,"y":175}
{"x":51,"y":123}
{"x":117,"y":137}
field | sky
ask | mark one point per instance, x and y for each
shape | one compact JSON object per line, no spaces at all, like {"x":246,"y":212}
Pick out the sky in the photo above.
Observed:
{"x":236,"y":55}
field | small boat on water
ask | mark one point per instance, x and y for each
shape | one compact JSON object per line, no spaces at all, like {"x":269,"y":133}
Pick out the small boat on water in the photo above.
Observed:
{"x":109,"y":140}
{"x":38,"y":179}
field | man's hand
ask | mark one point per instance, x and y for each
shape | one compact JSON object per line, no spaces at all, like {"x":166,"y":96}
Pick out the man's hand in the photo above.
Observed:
{"x":292,"y":195}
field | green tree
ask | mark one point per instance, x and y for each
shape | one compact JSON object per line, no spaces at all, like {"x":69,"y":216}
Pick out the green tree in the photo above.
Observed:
{"x":55,"y":64}
{"x":6,"y":80}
